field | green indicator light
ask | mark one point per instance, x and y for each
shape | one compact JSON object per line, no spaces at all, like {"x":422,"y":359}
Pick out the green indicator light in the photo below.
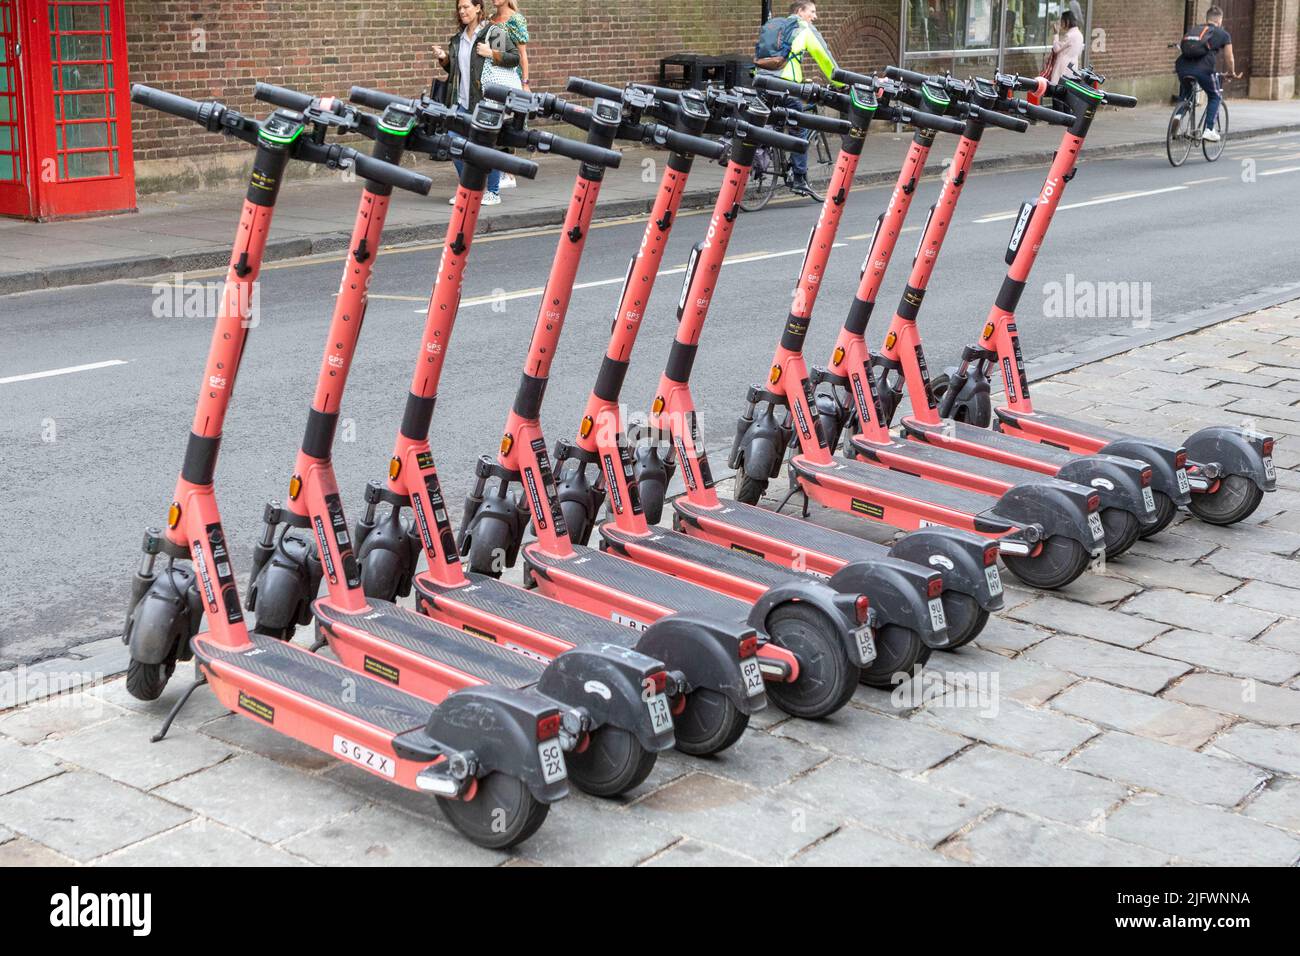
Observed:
{"x":1084,"y":90}
{"x":395,"y":130}
{"x":282,"y":140}
{"x":940,"y":100}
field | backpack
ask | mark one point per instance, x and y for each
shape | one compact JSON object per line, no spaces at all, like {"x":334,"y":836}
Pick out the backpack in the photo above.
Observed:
{"x":775,"y":40}
{"x":1194,"y":46}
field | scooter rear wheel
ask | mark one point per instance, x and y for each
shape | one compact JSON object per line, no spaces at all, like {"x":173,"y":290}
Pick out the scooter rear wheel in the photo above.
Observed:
{"x":612,"y":764}
{"x":708,"y":724}
{"x":502,"y":814}
{"x":1165,"y":512}
{"x":900,"y":652}
{"x":749,"y":491}
{"x":488,"y":548}
{"x":1059,"y":562}
{"x":1234,"y":500}
{"x":1122,"y":529}
{"x":827,"y":677}
{"x":965,"y":619}
{"x":147,"y":681}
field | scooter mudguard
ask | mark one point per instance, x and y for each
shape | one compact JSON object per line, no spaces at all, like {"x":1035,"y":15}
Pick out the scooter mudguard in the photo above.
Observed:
{"x":498,"y":727}
{"x":968,"y":398}
{"x":166,"y":617}
{"x":835,"y":605}
{"x":609,"y":683}
{"x":760,"y":448}
{"x":833,"y":417}
{"x":1236,"y":452}
{"x":388,"y":557}
{"x":1117,"y":480}
{"x":959,"y":556}
{"x":899,"y":593}
{"x":502,"y":522}
{"x":1163,"y":462}
{"x":285,"y":587}
{"x":1059,"y":508}
{"x":707,"y":654}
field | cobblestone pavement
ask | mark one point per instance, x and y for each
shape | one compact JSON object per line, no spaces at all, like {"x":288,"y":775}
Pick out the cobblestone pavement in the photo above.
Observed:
{"x":1150,"y":715}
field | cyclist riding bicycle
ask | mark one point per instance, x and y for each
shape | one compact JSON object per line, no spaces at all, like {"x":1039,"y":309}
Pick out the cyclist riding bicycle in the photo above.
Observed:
{"x":782,"y":43}
{"x":1198,"y":60}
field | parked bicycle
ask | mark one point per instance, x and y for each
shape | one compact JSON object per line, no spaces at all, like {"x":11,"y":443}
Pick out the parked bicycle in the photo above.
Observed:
{"x":1187,"y":124}
{"x":772,"y":167}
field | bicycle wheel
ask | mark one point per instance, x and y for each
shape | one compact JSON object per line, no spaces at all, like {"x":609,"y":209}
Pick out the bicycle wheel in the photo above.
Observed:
{"x":1178,"y":138}
{"x":1211,"y":150}
{"x":763,"y":176}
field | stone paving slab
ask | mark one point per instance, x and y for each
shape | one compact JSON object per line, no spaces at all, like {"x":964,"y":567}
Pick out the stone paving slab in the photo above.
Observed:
{"x":1116,"y":708}
{"x":1114,"y":665}
{"x":1196,"y":777}
{"x":1008,"y":839}
{"x":1201,"y":834}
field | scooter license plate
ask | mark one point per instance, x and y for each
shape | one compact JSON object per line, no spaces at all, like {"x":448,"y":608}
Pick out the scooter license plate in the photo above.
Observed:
{"x":753,"y":675}
{"x":363,"y":756}
{"x":661,"y":717}
{"x":1184,"y":486}
{"x":1148,"y":499}
{"x":1094,"y":522}
{"x":994,"y":578}
{"x":866,"y":644}
{"x":1270,"y":472}
{"x":551,"y":756}
{"x":937,"y":619}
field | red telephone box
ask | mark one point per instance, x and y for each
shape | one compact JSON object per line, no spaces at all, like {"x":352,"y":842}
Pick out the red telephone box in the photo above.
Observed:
{"x":65,"y":118}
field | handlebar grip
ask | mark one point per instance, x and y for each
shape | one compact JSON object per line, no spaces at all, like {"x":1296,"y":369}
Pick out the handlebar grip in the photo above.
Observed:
{"x":1026,"y":84}
{"x":943,"y":124}
{"x":661,"y":92}
{"x":282,"y":96}
{"x":770,"y":137}
{"x":378,"y":171}
{"x":1119,"y":99}
{"x":695,"y":145}
{"x":377,"y":99}
{"x":487,"y":158}
{"x":907,"y":76}
{"x":1002,"y":120}
{"x":498,"y":91}
{"x":816,"y":121}
{"x":583,"y":152}
{"x":165,"y":102}
{"x":593,"y":89}
{"x":842,"y":75}
{"x":766,"y":81}
{"x":1042,"y":114}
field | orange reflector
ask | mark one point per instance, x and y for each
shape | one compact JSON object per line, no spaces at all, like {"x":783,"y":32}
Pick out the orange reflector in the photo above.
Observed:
{"x":988,"y":330}
{"x":585,"y":428}
{"x":657,"y":405}
{"x":507,"y":442}
{"x":174,"y":514}
{"x":891,"y":339}
{"x":776,"y":374}
{"x":394,"y":468}
{"x":838,"y":355}
{"x":295,"y":487}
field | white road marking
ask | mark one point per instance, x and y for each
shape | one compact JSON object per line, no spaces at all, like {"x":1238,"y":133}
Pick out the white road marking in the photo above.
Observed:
{"x":1118,"y":197}
{"x":1284,"y":169}
{"x":51,"y":373}
{"x":1212,"y":179}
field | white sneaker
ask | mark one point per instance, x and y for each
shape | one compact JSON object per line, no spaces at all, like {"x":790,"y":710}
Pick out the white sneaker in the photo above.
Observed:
{"x":1211,"y":135}
{"x":451,"y":201}
{"x":507,"y":181}
{"x":491,"y":199}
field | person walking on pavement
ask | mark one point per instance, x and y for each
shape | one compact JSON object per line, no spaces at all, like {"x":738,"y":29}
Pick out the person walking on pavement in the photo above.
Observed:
{"x":782,"y":43}
{"x":1198,"y":63}
{"x":1067,"y":48}
{"x":508,"y":18}
{"x":478,"y":43}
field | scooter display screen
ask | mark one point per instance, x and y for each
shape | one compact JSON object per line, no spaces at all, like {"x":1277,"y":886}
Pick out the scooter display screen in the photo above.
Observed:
{"x":397,"y":118}
{"x":488,"y":115}
{"x":607,"y":111}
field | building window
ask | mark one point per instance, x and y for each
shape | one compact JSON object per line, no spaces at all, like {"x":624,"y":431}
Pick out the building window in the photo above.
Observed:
{"x":980,"y":36}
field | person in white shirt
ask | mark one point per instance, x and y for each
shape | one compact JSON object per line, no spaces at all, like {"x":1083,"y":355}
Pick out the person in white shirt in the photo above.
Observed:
{"x":1067,"y":48}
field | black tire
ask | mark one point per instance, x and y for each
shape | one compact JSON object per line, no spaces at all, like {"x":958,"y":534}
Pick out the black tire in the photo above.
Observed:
{"x":613,"y":763}
{"x":479,"y":821}
{"x":1122,"y":529}
{"x":708,"y":724}
{"x":749,"y":491}
{"x":147,"y":681}
{"x":1165,"y":512}
{"x":900,"y":652}
{"x":1213,"y":151}
{"x":1235,"y":499}
{"x":1178,"y":139}
{"x":488,"y":546}
{"x":279,"y":633}
{"x":966,"y":619}
{"x":652,"y":494}
{"x":762,"y":181}
{"x":827,"y":676}
{"x":578,"y":519}
{"x":381,"y":574}
{"x":1060,"y":561}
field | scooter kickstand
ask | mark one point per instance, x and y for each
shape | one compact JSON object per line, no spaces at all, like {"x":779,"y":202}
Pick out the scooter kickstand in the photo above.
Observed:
{"x":176,"y":708}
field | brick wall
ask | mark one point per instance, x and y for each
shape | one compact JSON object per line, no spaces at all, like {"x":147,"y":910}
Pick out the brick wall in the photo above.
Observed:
{"x":1137,"y":58}
{"x":1272,"y":74}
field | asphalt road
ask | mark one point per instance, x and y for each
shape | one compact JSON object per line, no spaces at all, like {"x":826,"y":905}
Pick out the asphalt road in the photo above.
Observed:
{"x":89,"y":457}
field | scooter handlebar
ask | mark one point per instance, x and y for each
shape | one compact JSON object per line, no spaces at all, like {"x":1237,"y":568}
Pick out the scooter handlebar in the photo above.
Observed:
{"x":485,"y":157}
{"x":1119,"y":99}
{"x":376,"y":170}
{"x":282,"y":96}
{"x":906,"y":76}
{"x":686,"y":143}
{"x":842,"y":75}
{"x":942,"y":124}
{"x":376,"y":99}
{"x":777,"y":140}
{"x":165,"y":102}
{"x":590,"y":88}
{"x":775,"y":84}
{"x":993,"y":118}
{"x":575,"y":149}
{"x":1043,"y":114}
{"x":816,"y":121}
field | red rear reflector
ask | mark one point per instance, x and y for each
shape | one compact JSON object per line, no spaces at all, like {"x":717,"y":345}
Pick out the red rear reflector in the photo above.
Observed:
{"x":1094,"y":502}
{"x":748,"y":647}
{"x":660,"y":681}
{"x":1146,"y":477}
{"x":862,"y":608}
{"x":548,"y":727}
{"x":1180,"y":460}
{"x":990,"y":556}
{"x":935,"y":587}
{"x":1268,"y":446}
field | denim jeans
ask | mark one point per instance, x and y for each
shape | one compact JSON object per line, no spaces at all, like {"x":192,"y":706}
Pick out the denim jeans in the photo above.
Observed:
{"x":798,"y":161}
{"x":1209,"y":81}
{"x":494,"y":176}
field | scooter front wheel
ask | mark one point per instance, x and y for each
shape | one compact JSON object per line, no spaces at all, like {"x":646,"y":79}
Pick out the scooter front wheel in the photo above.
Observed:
{"x":612,"y":764}
{"x":708,"y":724}
{"x":900,"y":652}
{"x":749,"y":491}
{"x":1122,"y":529}
{"x":965,"y":619}
{"x":501,"y":814}
{"x":1234,"y":500}
{"x":827,"y":677}
{"x":1165,"y":512}
{"x":1058,"y":562}
{"x":147,"y":681}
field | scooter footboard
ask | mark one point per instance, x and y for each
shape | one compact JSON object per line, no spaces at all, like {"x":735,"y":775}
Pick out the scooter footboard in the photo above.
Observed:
{"x":961,"y":557}
{"x":837,"y":606}
{"x":1236,"y":452}
{"x":1163,"y":460}
{"x":1117,"y":480}
{"x":707,"y":655}
{"x":899,"y":592}
{"x":1060,"y":510}
{"x":613,"y":684}
{"x":500,"y":729}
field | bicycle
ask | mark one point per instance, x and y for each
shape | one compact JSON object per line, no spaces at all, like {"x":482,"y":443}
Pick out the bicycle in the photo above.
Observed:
{"x":1186,"y":122}
{"x":773,"y":166}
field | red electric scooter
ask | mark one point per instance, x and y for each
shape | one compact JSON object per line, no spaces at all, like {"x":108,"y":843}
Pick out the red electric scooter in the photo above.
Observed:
{"x":1220,"y":473}
{"x":470,"y":749}
{"x":716,"y":679}
{"x":1123,"y":484}
{"x":1045,"y":531}
{"x":308,"y":538}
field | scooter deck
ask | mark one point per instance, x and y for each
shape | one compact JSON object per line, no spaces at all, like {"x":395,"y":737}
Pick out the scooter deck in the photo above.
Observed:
{"x":932,"y":460}
{"x":904,"y":490}
{"x":316,"y":678}
{"x":1045,"y":458}
{"x":683,"y":549}
{"x":438,"y":642}
{"x":529,"y":609}
{"x":793,"y":533}
{"x":1087,"y":430}
{"x":670,"y":594}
